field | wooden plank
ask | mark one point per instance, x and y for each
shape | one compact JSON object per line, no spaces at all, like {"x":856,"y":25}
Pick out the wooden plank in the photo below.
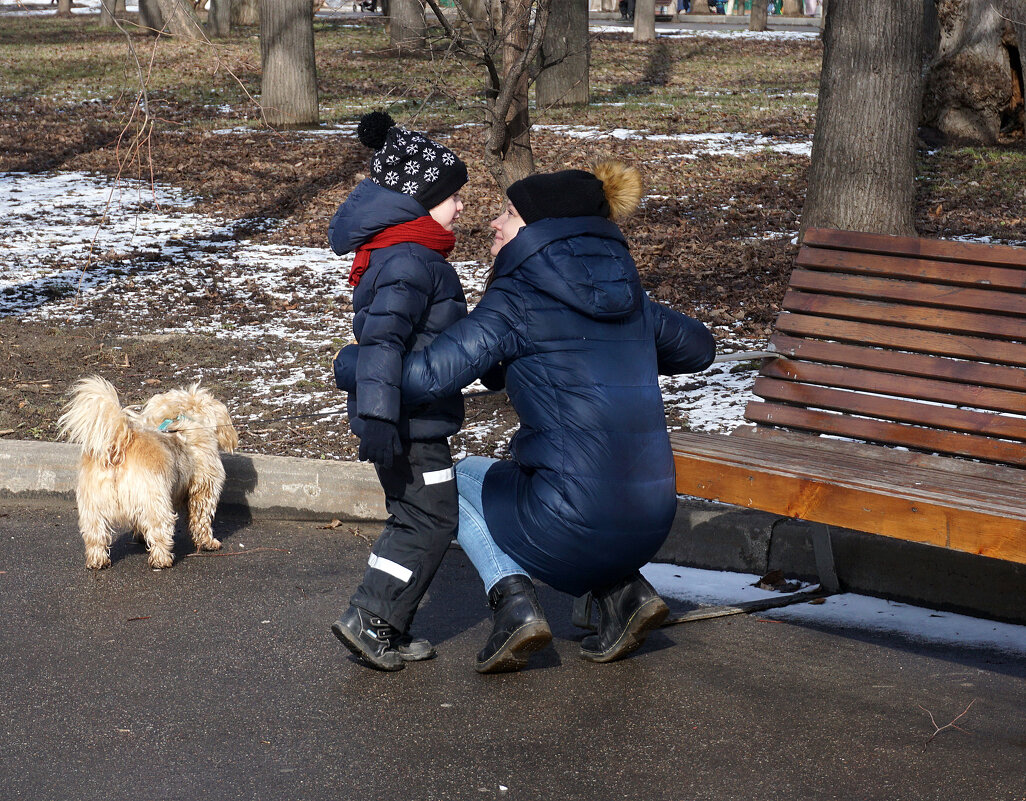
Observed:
{"x":910,"y":292}
{"x":940,"y":272}
{"x":971,"y":252}
{"x":873,"y":512}
{"x":960,"y":393}
{"x":1011,"y":353}
{"x":930,"y":415}
{"x":888,"y":433}
{"x":956,"y":322}
{"x":969,"y":371}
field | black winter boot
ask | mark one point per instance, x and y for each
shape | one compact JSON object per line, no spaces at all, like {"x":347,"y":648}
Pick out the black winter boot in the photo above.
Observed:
{"x":414,"y":650}
{"x":372,"y":639}
{"x":628,"y":611}
{"x":519,"y":627}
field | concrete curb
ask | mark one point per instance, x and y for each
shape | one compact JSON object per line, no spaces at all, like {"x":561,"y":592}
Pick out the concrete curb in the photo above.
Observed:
{"x":708,"y":535}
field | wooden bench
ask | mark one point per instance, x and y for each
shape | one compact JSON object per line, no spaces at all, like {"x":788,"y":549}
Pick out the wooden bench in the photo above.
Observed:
{"x":897,"y":405}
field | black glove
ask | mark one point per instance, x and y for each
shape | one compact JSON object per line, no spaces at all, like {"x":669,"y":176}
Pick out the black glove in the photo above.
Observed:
{"x":379,"y":442}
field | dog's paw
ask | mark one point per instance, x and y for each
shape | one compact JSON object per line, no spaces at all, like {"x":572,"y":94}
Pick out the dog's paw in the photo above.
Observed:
{"x":160,"y":559}
{"x":210,"y":545}
{"x":97,"y":561}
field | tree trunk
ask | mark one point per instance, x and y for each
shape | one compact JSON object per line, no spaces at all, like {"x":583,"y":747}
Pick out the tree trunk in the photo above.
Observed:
{"x":968,"y":83}
{"x":644,"y":20}
{"x":219,"y":19}
{"x":288,"y":83}
{"x":862,"y":174}
{"x":107,"y":13}
{"x":791,"y":8}
{"x":63,"y":8}
{"x":151,"y":18}
{"x":517,"y":159}
{"x":245,"y":12}
{"x":179,"y":19}
{"x":486,"y":14}
{"x":565,"y":54}
{"x":757,"y":17}
{"x":406,"y":26}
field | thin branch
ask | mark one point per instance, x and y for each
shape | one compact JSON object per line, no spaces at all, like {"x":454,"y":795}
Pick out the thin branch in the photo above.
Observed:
{"x":950,"y":725}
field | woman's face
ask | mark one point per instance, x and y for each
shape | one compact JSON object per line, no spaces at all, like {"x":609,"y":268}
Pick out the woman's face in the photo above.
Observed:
{"x":506,"y":226}
{"x":448,"y":211}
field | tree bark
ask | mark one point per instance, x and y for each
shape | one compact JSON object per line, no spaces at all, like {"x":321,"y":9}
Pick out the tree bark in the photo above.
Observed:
{"x":63,"y":8}
{"x":107,"y":13}
{"x":969,"y":80}
{"x":407,"y":27}
{"x":565,"y":56}
{"x":516,"y":157}
{"x":179,"y":19}
{"x":151,"y":18}
{"x":219,"y":19}
{"x":757,"y":17}
{"x":791,"y":8}
{"x":644,"y":20}
{"x":245,"y":12}
{"x":862,"y":174}
{"x":288,"y":83}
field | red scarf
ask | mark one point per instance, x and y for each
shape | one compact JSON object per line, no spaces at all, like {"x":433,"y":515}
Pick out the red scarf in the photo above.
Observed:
{"x":424,"y":231}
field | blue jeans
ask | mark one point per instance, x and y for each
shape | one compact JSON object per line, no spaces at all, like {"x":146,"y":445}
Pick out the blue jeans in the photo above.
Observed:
{"x":475,"y":539}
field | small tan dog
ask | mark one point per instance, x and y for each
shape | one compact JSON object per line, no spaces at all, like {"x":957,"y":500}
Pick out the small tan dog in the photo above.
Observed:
{"x":138,"y":465}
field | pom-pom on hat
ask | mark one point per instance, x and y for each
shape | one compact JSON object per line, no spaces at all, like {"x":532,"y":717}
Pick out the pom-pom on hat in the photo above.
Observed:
{"x":612,"y":191}
{"x":409,"y":162}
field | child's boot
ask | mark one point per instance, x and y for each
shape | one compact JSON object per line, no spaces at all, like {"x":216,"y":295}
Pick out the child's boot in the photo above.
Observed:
{"x":519,"y":627}
{"x":372,"y":639}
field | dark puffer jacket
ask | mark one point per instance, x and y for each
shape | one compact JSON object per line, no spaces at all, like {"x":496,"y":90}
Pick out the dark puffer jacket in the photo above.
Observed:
{"x":408,"y":294}
{"x":589,"y":494}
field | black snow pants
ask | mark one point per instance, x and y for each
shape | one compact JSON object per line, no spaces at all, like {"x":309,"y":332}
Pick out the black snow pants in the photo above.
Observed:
{"x":423,"y":509}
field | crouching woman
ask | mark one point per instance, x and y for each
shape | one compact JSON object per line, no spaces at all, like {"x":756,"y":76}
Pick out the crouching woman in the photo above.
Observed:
{"x":588,"y":496}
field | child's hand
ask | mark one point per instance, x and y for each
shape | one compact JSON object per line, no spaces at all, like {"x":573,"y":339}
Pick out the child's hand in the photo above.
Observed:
{"x":380,"y":442}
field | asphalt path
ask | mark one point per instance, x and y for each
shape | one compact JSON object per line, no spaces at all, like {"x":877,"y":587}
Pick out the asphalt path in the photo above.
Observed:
{"x":219,"y":679}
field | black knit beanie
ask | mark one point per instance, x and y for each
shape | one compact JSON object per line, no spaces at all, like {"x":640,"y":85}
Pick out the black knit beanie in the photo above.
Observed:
{"x":570,"y":193}
{"x":409,"y":162}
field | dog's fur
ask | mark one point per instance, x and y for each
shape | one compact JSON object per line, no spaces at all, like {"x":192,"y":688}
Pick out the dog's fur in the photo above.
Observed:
{"x":133,"y":476}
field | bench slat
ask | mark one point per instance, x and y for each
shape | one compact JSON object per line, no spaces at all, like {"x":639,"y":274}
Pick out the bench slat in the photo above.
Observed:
{"x":969,"y":347}
{"x":940,"y":272}
{"x":902,"y":411}
{"x":888,"y":433}
{"x":956,"y":322}
{"x":909,"y":292}
{"x":898,"y":385}
{"x":971,"y":252}
{"x":969,"y":372}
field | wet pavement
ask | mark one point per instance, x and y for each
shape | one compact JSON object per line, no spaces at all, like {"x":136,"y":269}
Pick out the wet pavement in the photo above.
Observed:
{"x":219,"y":678}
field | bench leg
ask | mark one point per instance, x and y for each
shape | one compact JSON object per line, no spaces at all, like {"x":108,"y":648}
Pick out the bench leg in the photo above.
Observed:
{"x":824,"y":553}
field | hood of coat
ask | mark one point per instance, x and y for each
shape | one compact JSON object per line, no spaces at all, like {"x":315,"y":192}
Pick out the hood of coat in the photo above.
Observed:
{"x":581,"y":261}
{"x":368,"y":211}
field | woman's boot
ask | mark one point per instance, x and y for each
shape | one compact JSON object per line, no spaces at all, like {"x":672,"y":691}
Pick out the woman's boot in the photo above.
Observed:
{"x":519,"y":627}
{"x":628,"y":611}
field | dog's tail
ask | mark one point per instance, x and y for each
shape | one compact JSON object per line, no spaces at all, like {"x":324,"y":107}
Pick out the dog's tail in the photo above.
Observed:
{"x":95,"y":420}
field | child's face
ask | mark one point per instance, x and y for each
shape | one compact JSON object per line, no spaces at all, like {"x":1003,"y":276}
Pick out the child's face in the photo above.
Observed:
{"x":506,"y":226}
{"x":448,"y":211}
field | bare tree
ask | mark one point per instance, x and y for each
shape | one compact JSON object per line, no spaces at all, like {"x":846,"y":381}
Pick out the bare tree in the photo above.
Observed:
{"x":180,"y":19}
{"x":150,"y":16}
{"x":63,"y":8}
{"x":506,"y":55}
{"x":111,"y":10}
{"x":245,"y":12}
{"x":288,"y":83}
{"x":565,"y":55}
{"x":219,"y":18}
{"x":757,"y":17}
{"x":791,"y":8}
{"x":406,"y":26}
{"x":863,"y":167}
{"x":644,"y":20}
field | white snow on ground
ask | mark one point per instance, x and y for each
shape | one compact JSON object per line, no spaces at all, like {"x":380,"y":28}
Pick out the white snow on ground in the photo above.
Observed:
{"x":712,"y":144}
{"x":677,"y":33}
{"x":914,"y":623}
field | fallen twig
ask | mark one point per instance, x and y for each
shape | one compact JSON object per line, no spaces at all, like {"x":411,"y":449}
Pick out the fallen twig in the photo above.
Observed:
{"x":950,"y":725}
{"x":239,"y":553}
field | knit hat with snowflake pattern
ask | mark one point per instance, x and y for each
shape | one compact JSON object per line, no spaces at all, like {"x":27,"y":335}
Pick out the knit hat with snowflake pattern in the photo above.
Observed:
{"x":410,"y":162}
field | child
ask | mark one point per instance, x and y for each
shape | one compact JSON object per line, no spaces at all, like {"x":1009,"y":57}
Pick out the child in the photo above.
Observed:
{"x":399,"y":221}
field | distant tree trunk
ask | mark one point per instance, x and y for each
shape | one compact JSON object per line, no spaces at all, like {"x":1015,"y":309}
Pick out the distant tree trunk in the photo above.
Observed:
{"x":245,"y":12}
{"x":63,"y":8}
{"x":179,"y":19}
{"x":517,"y":157}
{"x":288,"y":83}
{"x":407,"y":27}
{"x":969,"y":80}
{"x":219,"y":19}
{"x":150,"y":16}
{"x":757,"y":18}
{"x":107,"y":12}
{"x":485,"y":14}
{"x":863,"y":167}
{"x":644,"y":20}
{"x":565,"y":55}
{"x":791,"y":8}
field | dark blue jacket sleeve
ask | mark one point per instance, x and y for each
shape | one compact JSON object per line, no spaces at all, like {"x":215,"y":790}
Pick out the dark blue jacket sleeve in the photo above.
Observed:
{"x":344,"y":367}
{"x":683,"y":344}
{"x":467,"y":350}
{"x":401,"y":294}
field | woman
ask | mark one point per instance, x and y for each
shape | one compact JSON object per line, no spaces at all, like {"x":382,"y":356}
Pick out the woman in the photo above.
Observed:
{"x":588,"y":496}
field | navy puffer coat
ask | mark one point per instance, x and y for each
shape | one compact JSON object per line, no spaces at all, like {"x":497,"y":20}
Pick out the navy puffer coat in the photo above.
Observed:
{"x":408,"y":294}
{"x":589,"y":494}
